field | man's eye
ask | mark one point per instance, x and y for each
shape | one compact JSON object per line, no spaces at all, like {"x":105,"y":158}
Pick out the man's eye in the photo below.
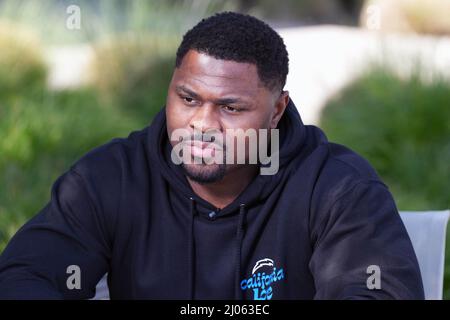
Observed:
{"x":230,"y":109}
{"x":188,"y":100}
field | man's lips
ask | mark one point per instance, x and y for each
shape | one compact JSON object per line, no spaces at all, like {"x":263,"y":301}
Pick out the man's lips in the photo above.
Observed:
{"x":202,"y":144}
{"x":202,"y":149}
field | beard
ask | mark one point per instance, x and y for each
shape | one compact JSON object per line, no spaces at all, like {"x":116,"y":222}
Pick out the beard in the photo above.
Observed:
{"x":197,"y":169}
{"x":204,"y":173}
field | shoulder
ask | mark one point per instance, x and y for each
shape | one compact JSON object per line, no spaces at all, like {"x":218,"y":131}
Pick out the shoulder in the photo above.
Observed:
{"x":343,"y":170}
{"x":112,"y":158}
{"x":106,"y":171}
{"x":345,"y":177}
{"x":347,"y":180}
{"x":346,"y":162}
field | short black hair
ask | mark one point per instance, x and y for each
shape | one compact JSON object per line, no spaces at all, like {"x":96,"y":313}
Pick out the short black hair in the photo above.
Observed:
{"x":241,"y":38}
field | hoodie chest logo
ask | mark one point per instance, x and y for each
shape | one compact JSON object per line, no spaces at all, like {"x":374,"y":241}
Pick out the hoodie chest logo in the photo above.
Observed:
{"x":264,"y":276}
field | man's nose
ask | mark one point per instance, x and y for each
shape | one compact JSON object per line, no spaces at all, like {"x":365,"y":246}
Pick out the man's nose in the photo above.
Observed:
{"x":206,"y":118}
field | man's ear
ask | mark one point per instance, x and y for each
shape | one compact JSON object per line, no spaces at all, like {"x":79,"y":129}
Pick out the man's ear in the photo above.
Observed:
{"x":280,"y":106}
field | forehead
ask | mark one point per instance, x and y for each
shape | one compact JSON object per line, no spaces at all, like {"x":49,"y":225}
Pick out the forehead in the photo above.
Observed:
{"x":203,"y":72}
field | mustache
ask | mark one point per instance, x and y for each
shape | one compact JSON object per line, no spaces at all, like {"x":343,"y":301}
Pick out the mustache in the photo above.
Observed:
{"x":208,"y":138}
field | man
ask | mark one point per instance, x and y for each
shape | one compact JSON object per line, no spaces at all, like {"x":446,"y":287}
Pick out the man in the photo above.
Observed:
{"x":310,"y":219}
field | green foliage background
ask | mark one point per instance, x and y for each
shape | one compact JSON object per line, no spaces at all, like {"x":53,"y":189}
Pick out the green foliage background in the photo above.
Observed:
{"x":402,"y":126}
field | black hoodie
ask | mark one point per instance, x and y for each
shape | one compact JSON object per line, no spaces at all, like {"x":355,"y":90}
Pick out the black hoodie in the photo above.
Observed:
{"x":316,"y":229}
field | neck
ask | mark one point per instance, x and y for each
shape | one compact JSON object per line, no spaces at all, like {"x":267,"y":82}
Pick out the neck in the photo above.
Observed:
{"x":223,"y":192}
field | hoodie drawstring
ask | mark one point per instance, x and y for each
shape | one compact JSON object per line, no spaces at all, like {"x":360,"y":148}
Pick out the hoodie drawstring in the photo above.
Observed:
{"x":239,"y":237}
{"x":238,"y":251}
{"x":191,"y":249}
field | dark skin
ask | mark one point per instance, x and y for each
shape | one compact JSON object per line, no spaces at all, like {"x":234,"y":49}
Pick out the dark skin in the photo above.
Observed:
{"x":216,"y":95}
